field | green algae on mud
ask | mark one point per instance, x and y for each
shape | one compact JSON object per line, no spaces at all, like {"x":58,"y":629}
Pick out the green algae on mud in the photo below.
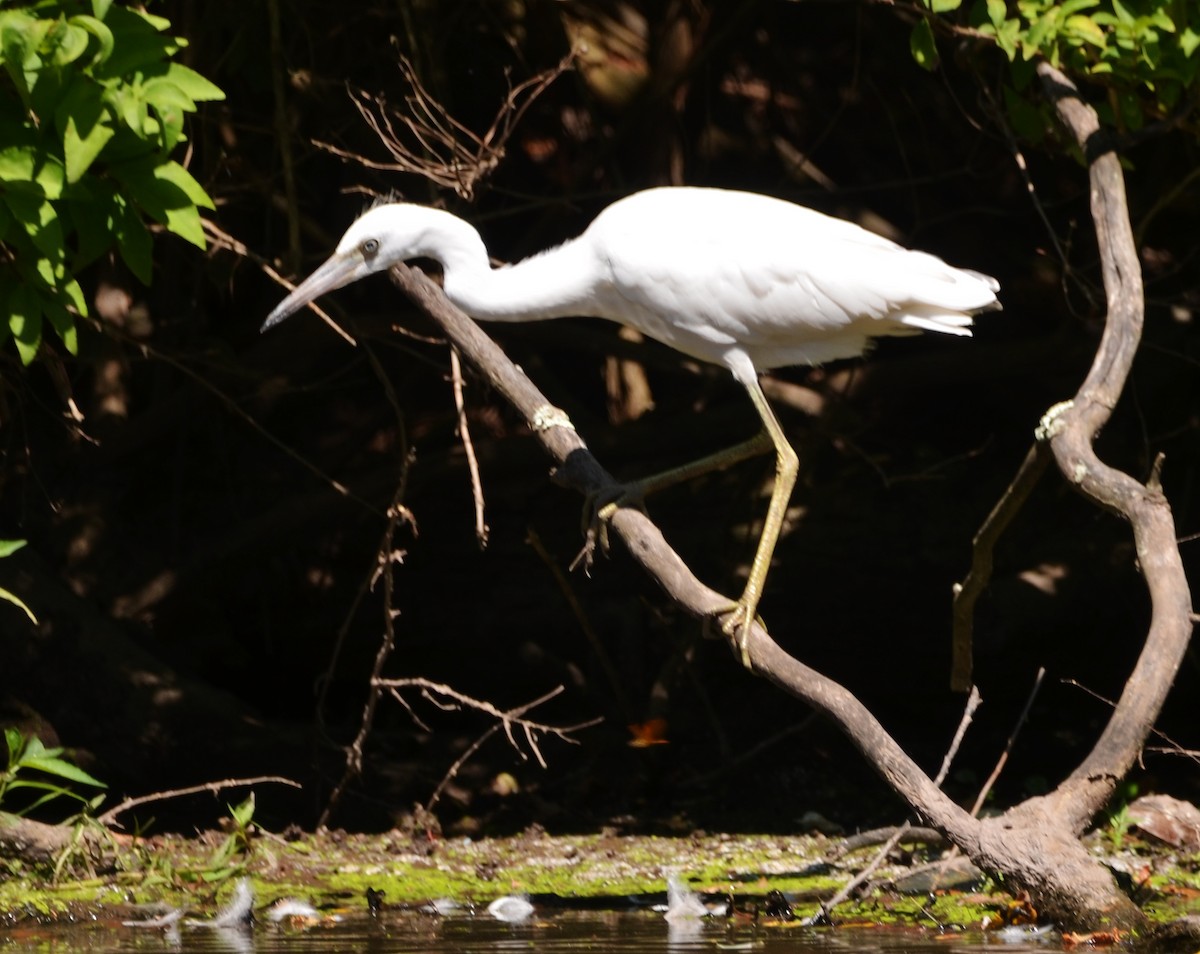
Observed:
{"x":334,"y":869}
{"x":334,"y":866}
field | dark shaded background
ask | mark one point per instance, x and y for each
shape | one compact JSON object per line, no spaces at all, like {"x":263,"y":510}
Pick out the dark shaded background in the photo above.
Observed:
{"x":192,"y":575}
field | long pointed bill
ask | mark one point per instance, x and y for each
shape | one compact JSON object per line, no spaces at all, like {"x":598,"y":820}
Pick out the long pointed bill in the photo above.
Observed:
{"x":339,"y":270}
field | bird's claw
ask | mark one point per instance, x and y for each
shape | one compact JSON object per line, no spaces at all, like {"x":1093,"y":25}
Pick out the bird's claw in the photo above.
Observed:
{"x":735,"y":624}
{"x":598,"y":510}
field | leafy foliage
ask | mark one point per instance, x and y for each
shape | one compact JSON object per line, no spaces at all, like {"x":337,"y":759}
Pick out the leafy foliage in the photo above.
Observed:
{"x":1143,"y":51}
{"x":28,"y":754}
{"x":91,"y":108}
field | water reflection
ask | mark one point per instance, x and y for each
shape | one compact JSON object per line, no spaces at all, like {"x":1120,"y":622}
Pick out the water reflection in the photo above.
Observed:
{"x":610,"y":932}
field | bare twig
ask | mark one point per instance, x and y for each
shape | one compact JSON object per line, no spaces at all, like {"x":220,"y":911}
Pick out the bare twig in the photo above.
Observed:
{"x":283,"y":136}
{"x":464,"y":434}
{"x":222,"y":239}
{"x":507,"y":720}
{"x":986,"y":789}
{"x":967,"y":593}
{"x":107,"y":328}
{"x":425,"y":139}
{"x":446,"y":697}
{"x":386,"y":557}
{"x":109,"y":817}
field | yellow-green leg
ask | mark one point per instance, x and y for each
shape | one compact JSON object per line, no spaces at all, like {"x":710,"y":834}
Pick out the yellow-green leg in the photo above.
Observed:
{"x":635,"y":491}
{"x":743,"y":613}
{"x":787,"y":465}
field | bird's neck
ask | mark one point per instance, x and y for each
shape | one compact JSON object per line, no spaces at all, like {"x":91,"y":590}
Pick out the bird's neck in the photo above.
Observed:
{"x":549,"y":285}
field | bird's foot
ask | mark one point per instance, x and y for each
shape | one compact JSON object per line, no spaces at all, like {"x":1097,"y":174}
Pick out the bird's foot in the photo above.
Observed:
{"x":598,"y":510}
{"x":735,"y":624}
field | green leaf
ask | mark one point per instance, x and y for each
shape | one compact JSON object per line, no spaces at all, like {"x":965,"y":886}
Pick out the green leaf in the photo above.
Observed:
{"x":103,"y":35}
{"x":65,"y":42}
{"x":923,"y":45}
{"x":9,"y":547}
{"x":100,"y":8}
{"x":25,"y":322}
{"x":180,"y":178}
{"x":139,"y":43}
{"x":1189,"y":39}
{"x":60,"y":768}
{"x":62,"y":321}
{"x":195,"y":86}
{"x":85,"y":124}
{"x":133,"y":241}
{"x":942,"y":6}
{"x":1086,"y":29}
{"x":1123,"y":13}
{"x":16,"y":29}
{"x":41,"y":223}
{"x":16,"y":601}
{"x":997,"y":12}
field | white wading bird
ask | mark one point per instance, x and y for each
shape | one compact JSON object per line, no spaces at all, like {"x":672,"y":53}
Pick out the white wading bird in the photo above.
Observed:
{"x":733,"y":278}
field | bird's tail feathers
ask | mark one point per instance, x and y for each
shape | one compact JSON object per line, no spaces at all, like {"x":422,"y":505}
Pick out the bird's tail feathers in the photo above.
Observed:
{"x":948,"y":323}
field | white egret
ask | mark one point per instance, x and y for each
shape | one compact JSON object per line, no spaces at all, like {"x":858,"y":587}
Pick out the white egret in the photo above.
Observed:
{"x":733,"y":278}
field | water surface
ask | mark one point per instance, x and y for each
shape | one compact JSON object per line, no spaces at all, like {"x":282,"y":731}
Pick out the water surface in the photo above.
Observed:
{"x":619,"y":932}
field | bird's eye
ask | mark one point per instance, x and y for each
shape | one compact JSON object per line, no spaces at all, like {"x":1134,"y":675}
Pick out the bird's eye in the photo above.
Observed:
{"x":370,"y":247}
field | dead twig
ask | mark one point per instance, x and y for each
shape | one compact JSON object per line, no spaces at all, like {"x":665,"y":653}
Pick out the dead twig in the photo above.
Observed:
{"x":424,"y":139}
{"x":983,"y":546}
{"x":222,"y":239}
{"x":109,"y":817}
{"x":386,"y":557}
{"x":508,"y":720}
{"x":464,"y":435}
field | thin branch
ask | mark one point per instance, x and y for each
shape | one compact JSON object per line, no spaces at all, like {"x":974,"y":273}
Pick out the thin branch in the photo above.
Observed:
{"x":386,"y":557}
{"x":1009,"y":744}
{"x":109,"y":817}
{"x":107,"y":328}
{"x":507,"y":720}
{"x":222,"y":239}
{"x":464,"y":434}
{"x":983,"y":547}
{"x":424,"y":139}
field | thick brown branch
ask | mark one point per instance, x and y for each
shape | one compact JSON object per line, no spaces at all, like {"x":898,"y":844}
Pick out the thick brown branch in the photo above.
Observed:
{"x":1070,"y":434}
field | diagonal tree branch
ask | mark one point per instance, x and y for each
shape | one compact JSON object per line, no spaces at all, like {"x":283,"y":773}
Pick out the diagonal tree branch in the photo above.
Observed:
{"x":578,"y":469}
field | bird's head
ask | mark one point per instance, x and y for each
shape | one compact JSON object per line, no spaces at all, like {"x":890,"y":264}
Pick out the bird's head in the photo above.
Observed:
{"x":379,"y":238}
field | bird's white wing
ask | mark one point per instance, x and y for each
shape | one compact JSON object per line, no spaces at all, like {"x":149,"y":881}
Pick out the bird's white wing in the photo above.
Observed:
{"x":707,"y":270}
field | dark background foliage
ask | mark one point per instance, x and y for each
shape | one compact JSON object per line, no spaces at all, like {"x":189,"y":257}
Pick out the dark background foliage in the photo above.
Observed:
{"x":193,"y":566}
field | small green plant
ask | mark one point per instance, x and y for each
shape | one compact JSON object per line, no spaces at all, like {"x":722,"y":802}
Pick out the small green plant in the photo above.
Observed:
{"x":44,"y":772}
{"x":1118,"y":821}
{"x":91,"y":108}
{"x":229,"y":858}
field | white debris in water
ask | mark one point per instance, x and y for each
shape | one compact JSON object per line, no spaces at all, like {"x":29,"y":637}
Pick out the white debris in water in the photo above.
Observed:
{"x":443,"y":906}
{"x":238,"y":913}
{"x":682,"y":902}
{"x":291,"y":908}
{"x":1018,"y":933}
{"x":510,"y":908}
{"x":165,"y":920}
